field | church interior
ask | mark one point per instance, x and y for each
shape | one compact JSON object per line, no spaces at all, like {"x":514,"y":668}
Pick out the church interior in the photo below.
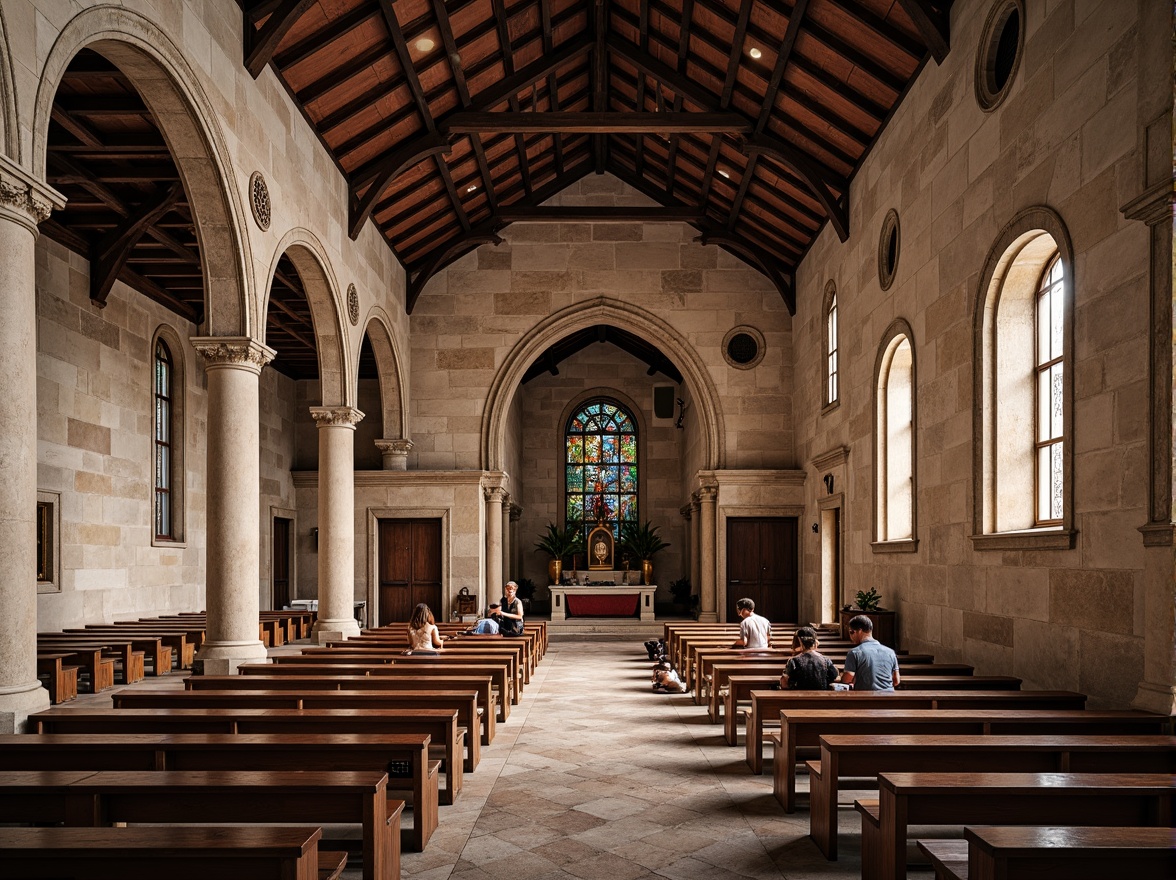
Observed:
{"x":342,"y":305}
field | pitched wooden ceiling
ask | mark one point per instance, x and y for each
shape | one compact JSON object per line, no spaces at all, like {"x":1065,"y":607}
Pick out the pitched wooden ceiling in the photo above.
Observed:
{"x":450,"y":120}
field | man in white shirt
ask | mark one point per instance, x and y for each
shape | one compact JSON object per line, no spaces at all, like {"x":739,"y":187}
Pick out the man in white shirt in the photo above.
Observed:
{"x":754,"y":631}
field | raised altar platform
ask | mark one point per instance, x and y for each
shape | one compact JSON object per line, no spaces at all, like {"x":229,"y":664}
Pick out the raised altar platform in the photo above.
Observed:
{"x":596,"y":601}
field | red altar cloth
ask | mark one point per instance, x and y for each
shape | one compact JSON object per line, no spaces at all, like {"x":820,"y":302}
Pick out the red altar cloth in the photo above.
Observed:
{"x":603,"y":606}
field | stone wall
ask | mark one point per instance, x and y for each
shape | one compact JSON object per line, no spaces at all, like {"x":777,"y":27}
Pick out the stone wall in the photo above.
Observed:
{"x":278,"y":416}
{"x":1067,"y":137}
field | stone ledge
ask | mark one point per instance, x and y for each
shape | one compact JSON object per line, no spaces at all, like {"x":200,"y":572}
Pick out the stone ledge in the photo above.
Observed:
{"x":1039,"y":539}
{"x":909,"y":545}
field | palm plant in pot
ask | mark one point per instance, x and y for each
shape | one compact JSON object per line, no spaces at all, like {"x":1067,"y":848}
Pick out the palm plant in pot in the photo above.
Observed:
{"x":642,"y":542}
{"x":558,"y":544}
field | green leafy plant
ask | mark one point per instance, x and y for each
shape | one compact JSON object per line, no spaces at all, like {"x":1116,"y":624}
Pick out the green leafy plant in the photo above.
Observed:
{"x":642,"y":541}
{"x":868,"y":601}
{"x":560,"y":543}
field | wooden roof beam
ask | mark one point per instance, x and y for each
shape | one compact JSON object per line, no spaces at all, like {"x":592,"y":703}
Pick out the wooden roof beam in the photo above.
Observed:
{"x":450,"y":252}
{"x":822,"y":186}
{"x":600,"y":79}
{"x":595,"y":214}
{"x":934,"y":25}
{"x":108,"y":258}
{"x":260,"y":45}
{"x":613,"y":122}
{"x":388,"y":169}
{"x":758,"y":260}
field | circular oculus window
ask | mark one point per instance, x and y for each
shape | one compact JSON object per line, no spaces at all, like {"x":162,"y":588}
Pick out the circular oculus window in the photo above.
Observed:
{"x":999,"y":54}
{"x":743,"y":347}
{"x":889,"y":244}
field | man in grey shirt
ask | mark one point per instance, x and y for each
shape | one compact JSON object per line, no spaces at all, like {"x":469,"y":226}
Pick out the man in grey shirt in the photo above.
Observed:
{"x":869,"y":665}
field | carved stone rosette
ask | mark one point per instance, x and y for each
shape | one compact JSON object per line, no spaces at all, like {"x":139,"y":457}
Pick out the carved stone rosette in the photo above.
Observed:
{"x":23,"y":198}
{"x":336,"y":416}
{"x":395,"y":453}
{"x":233,"y":351}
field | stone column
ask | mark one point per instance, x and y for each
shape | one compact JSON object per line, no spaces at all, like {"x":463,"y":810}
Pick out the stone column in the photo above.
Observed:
{"x":516,"y":514}
{"x":336,"y":522}
{"x":395,"y":453}
{"x":24,"y":202}
{"x":707,"y":561}
{"x":507,"y":559}
{"x":696,"y":547}
{"x":495,"y":495}
{"x":233,"y":365}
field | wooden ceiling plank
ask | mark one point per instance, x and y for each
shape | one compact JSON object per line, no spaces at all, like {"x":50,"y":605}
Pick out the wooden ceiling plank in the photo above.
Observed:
{"x":595,"y":214}
{"x":273,"y":320}
{"x":836,"y":206}
{"x":591,"y":122}
{"x":388,"y":169}
{"x":933,"y":24}
{"x":734,"y":59}
{"x":458,"y":207}
{"x":108,"y":257}
{"x":323,"y":39}
{"x":406,"y":66}
{"x":338,"y":76}
{"x":502,"y":23}
{"x":260,"y":45}
{"x":783,"y":56}
{"x":683,"y":57}
{"x":164,"y":297}
{"x":552,"y":79}
{"x":863,"y":62}
{"x":643,"y":42}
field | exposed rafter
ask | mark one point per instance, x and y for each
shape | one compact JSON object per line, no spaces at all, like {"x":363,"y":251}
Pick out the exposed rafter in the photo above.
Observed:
{"x":933,"y":25}
{"x":109,"y":256}
{"x":616,"y":122}
{"x":760,"y":260}
{"x":389,"y":168}
{"x":559,"y":214}
{"x":836,"y":206}
{"x":452,"y":251}
{"x":260,"y":45}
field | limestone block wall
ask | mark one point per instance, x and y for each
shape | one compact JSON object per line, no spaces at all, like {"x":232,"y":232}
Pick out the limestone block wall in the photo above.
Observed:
{"x":545,"y":404}
{"x":1067,"y":137}
{"x":95,"y":400}
{"x":276,"y":434}
{"x":371,"y":429}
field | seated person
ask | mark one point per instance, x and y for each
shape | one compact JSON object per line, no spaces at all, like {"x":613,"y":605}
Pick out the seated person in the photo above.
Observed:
{"x":509,"y":615}
{"x":486,"y":624}
{"x":423,"y":637}
{"x":869,"y":665}
{"x":754,"y":631}
{"x":666,"y":680}
{"x":809,"y":670}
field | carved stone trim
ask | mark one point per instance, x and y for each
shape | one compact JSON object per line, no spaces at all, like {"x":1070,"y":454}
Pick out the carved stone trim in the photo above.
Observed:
{"x":24,"y":198}
{"x":394,"y":453}
{"x":516,"y":512}
{"x":259,"y":201}
{"x":335,"y":416}
{"x":352,"y":305}
{"x":1158,"y":534}
{"x":835,"y":457}
{"x":1152,"y":206}
{"x":232,"y":351}
{"x":1031,"y":539}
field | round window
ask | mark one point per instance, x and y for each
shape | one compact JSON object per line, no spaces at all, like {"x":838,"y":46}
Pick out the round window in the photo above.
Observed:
{"x":999,"y":53}
{"x":888,"y":249}
{"x":743,"y":347}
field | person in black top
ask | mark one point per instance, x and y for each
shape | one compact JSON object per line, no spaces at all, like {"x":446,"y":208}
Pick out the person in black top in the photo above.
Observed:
{"x":510,"y":611}
{"x":809,"y":670}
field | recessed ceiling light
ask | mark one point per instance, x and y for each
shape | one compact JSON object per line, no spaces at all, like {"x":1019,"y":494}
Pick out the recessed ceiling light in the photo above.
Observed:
{"x":755,"y":53}
{"x":723,"y":172}
{"x":424,"y":44}
{"x":471,"y":187}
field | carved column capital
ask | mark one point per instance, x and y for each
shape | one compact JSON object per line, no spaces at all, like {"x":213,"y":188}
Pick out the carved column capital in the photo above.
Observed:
{"x":395,"y":453}
{"x":23,"y":198}
{"x":708,"y":494}
{"x":239,"y":352}
{"x":1153,"y":206}
{"x":685,"y":511}
{"x":495,"y":494}
{"x":335,"y":416}
{"x":516,"y":512}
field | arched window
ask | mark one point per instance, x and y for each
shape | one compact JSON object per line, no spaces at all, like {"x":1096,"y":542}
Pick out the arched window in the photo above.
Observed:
{"x":1024,"y":392}
{"x":600,"y":444}
{"x":167,"y":385}
{"x":832,"y":365}
{"x":894,"y":443}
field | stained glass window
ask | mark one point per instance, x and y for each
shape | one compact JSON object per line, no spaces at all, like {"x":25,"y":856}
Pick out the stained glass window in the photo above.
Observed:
{"x":600,"y":466}
{"x":163,"y":444}
{"x":1050,"y":391}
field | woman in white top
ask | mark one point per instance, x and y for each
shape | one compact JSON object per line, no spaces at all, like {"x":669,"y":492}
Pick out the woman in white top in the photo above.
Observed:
{"x":423,"y":637}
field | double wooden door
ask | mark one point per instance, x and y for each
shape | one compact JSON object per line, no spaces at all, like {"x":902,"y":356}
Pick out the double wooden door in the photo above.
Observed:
{"x":762,"y":566}
{"x":281,"y":562}
{"x":410,"y":567}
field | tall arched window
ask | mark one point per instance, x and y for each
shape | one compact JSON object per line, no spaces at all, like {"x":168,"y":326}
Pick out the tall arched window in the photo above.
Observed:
{"x":832,"y":364}
{"x":894,"y":441}
{"x":600,"y":444}
{"x":1023,"y":490}
{"x":163,"y":441}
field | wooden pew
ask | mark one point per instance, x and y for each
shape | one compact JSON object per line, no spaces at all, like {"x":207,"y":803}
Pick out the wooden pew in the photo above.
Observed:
{"x":396,"y":658}
{"x":182,"y":640}
{"x":514,"y":653}
{"x":494,"y":645}
{"x":867,"y":756}
{"x":87,"y":798}
{"x":61,"y":678}
{"x":1112,"y":799}
{"x":487,"y":709}
{"x":800,"y":730}
{"x":439,"y":724}
{"x":1052,"y":853}
{"x":766,"y":707}
{"x":198,"y":853}
{"x":156,"y":654}
{"x":465,"y":702}
{"x":89,"y":659}
{"x":224,"y":751}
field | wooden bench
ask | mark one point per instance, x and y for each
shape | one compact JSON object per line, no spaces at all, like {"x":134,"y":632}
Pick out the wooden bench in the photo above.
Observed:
{"x":86,"y":798}
{"x":857,"y":757}
{"x":465,"y":702}
{"x":766,"y":707}
{"x":308,"y":684}
{"x":90,"y":660}
{"x":495,"y":646}
{"x":388,"y":753}
{"x":447,"y":737}
{"x":1052,"y":853}
{"x":61,"y":679}
{"x":1128,"y":799}
{"x":196,"y":853}
{"x":377,"y":654}
{"x":801,"y":729}
{"x":156,"y":655}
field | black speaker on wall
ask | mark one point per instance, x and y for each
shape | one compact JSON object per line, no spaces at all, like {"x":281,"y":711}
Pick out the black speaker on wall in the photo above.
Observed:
{"x":663,"y":401}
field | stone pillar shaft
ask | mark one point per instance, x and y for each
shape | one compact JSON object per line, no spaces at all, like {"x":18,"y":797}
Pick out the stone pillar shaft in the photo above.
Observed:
{"x":695,"y":547}
{"x":336,"y":519}
{"x":494,"y":498}
{"x":233,"y":365}
{"x":23,"y":204}
{"x":708,"y":561}
{"x":507,"y":559}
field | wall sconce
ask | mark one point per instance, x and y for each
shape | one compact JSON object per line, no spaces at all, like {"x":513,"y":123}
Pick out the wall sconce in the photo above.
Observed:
{"x":682,"y":407}
{"x":815,"y":528}
{"x":828,"y":478}
{"x":314,"y":539}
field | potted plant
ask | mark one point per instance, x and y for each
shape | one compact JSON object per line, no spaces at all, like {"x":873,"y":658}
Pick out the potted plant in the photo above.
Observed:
{"x":680,"y":590}
{"x":868,"y":601}
{"x":558,"y":544}
{"x":642,"y":542}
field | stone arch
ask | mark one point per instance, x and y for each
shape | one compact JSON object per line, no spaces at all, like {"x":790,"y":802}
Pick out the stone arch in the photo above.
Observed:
{"x":393,"y":389}
{"x":602,"y":310}
{"x":306,"y":252}
{"x":9,"y":120}
{"x":187,"y":120}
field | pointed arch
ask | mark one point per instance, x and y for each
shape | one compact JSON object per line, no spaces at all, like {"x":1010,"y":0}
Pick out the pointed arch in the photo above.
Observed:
{"x":389,"y":364}
{"x":157,"y":69}
{"x":589,"y":313}
{"x":336,"y":372}
{"x":9,"y":120}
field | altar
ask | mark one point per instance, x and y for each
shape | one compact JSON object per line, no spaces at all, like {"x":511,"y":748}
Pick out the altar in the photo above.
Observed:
{"x":598,"y":600}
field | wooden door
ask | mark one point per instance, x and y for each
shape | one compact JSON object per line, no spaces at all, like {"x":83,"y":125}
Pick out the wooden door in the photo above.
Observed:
{"x":280,"y":569}
{"x":762,"y":566}
{"x":410,"y":567}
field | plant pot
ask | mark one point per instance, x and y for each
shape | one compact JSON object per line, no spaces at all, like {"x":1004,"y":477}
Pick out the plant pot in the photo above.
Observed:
{"x":554,"y":571}
{"x":646,"y":572}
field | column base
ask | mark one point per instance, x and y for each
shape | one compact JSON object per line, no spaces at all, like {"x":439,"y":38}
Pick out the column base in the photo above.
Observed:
{"x":16,"y":707}
{"x":708,"y":617}
{"x":334,"y":630}
{"x":1157,"y":698}
{"x":223,"y":658}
